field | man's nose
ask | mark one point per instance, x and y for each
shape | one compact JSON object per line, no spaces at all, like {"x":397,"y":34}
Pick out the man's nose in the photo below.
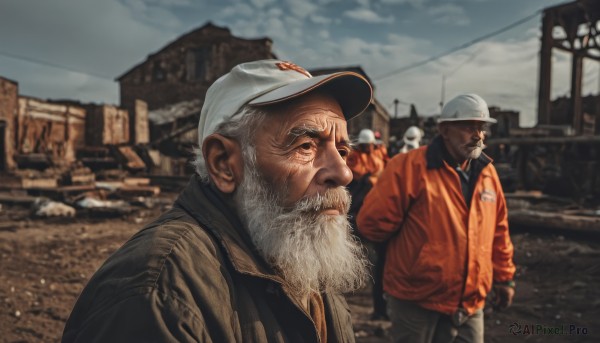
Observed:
{"x":333,"y":170}
{"x":477,"y":133}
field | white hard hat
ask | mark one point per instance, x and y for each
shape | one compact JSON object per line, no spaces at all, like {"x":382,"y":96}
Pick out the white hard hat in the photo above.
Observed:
{"x":265,"y":82}
{"x":366,"y":136}
{"x":466,"y":107}
{"x":412,"y":134}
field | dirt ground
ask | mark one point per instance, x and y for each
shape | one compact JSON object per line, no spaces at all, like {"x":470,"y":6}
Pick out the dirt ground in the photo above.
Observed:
{"x":45,"y":263}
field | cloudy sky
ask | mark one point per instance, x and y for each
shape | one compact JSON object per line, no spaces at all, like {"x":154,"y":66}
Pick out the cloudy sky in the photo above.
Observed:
{"x":76,"y":48}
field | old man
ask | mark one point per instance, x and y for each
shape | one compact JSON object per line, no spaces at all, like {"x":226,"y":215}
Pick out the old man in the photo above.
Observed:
{"x":257,"y":248}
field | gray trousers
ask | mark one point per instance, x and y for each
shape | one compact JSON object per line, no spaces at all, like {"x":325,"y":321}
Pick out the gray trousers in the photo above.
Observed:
{"x":414,"y":324}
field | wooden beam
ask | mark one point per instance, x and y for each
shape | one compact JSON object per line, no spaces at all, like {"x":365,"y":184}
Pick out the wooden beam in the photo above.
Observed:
{"x":545,"y":69}
{"x":536,"y":140}
{"x":576,"y":105}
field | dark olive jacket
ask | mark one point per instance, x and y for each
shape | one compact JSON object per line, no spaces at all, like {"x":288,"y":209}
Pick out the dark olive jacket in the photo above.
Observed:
{"x":193,"y":276}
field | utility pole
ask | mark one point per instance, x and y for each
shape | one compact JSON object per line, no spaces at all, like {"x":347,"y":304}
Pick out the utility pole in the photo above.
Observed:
{"x":396,"y":102}
{"x":443,"y":92}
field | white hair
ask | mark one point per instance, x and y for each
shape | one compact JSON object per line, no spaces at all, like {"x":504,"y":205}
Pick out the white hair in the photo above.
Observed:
{"x":241,"y":127}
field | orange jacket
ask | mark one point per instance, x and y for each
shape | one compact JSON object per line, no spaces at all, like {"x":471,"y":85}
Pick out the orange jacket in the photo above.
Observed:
{"x":362,"y":163}
{"x":381,"y":150}
{"x":441,"y":253}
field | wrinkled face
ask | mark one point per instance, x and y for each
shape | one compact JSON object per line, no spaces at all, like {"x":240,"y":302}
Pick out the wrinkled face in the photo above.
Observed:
{"x":464,"y":139}
{"x":301,"y":148}
{"x":292,"y":200}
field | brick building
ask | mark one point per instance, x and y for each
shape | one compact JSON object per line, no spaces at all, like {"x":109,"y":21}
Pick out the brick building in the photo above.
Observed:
{"x":183,"y":70}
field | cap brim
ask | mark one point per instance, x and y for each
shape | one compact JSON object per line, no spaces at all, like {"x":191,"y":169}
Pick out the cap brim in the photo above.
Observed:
{"x":487,"y":120}
{"x":351,"y":90}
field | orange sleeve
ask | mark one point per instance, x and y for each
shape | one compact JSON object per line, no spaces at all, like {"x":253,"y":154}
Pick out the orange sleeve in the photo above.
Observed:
{"x":503,"y":250}
{"x":384,"y":206}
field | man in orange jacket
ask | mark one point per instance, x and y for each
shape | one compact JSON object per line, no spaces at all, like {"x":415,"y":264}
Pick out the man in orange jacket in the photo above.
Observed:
{"x":367,"y":160}
{"x":441,"y":209}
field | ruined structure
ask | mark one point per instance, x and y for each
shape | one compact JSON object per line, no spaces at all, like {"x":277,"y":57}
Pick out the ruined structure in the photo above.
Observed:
{"x":183,"y":70}
{"x":173,"y":83}
{"x":47,"y":133}
{"x":561,"y":154}
{"x":9,"y":93}
{"x":572,"y":28}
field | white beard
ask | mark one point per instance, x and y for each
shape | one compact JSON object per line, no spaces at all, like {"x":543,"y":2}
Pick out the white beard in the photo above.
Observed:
{"x":313,"y":252}
{"x":475,"y":153}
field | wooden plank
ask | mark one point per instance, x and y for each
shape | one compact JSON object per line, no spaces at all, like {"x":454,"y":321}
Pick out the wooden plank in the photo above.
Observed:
{"x":132,"y":160}
{"x":537,"y":140}
{"x":136,"y":181}
{"x":139,"y":130}
{"x":15,"y":199}
{"x":39,"y":183}
{"x":83,"y":179}
{"x":130,"y":190}
{"x":10,"y":182}
{"x":554,"y":220}
{"x":46,"y":116}
{"x":110,"y":185}
{"x":76,"y":188}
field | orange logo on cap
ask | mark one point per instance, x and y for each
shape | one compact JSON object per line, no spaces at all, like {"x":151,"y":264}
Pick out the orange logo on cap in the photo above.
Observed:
{"x":291,"y":66}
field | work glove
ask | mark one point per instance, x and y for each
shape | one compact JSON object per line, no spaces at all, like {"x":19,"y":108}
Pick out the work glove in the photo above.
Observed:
{"x":503,"y":296}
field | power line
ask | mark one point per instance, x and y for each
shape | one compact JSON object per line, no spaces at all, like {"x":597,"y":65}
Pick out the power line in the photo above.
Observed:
{"x":53,"y":65}
{"x":455,"y":49}
{"x":469,"y":59}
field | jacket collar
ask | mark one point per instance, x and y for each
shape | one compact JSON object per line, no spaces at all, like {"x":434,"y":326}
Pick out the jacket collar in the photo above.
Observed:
{"x":437,"y":153}
{"x":216,"y":215}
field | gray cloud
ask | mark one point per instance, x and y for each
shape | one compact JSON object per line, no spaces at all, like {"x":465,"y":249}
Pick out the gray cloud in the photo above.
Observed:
{"x":262,"y":3}
{"x":414,"y":3}
{"x":102,"y":38}
{"x":368,"y":16}
{"x":108,"y":37}
{"x":449,"y":14}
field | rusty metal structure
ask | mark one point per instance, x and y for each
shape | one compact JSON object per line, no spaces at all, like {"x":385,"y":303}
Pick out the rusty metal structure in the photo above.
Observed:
{"x":561,"y":155}
{"x":573,"y":28}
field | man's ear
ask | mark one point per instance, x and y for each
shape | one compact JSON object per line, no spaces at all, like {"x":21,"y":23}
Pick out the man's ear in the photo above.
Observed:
{"x":443,"y":129}
{"x":224,"y":162}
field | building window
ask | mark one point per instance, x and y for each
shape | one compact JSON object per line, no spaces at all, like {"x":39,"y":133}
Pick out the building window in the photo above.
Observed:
{"x":158,"y":72}
{"x":196,"y":62}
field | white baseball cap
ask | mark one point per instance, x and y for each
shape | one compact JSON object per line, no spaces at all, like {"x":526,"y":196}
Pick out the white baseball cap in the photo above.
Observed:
{"x":466,"y":107}
{"x":265,"y":82}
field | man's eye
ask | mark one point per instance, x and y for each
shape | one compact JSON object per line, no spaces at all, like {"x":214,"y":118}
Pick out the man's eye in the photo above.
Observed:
{"x":306,"y":146}
{"x":344,"y":152}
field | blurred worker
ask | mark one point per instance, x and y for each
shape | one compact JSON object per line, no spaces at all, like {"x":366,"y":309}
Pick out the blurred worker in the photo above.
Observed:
{"x":380,"y":147}
{"x":441,"y":209}
{"x":394,"y":146}
{"x":365,"y":160}
{"x":366,"y":163}
{"x":412,"y":139}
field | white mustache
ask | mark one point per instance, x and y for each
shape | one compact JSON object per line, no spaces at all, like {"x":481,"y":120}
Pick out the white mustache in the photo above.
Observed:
{"x":337,"y":198}
{"x":479,"y":144}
